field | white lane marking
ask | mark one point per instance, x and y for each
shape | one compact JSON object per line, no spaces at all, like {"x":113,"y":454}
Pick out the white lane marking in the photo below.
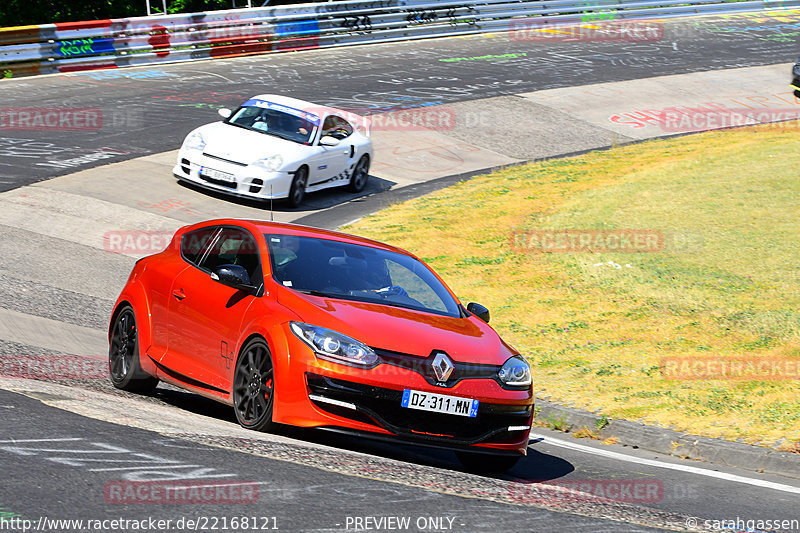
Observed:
{"x":658,"y":464}
{"x":18,"y":441}
{"x":211,"y":74}
{"x":172,"y":464}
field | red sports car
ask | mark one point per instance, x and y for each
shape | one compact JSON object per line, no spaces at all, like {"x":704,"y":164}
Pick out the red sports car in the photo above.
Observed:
{"x":301,"y":326}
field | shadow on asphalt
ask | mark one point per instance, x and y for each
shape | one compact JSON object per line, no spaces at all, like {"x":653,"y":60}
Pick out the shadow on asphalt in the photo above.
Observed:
{"x":313,"y":201}
{"x":535,"y":467}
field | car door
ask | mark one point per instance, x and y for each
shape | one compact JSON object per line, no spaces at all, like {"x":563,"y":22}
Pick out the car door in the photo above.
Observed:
{"x":331,"y":162}
{"x":205,"y":316}
{"x":160,"y":276}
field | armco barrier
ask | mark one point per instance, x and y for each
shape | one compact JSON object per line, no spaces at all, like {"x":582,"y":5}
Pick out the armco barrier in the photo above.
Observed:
{"x":112,"y":43}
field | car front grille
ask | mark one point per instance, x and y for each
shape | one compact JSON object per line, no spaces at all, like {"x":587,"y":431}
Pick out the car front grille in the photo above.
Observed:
{"x":381,"y":407}
{"x":218,"y":182}
{"x":231,"y":161}
{"x":424,"y":367}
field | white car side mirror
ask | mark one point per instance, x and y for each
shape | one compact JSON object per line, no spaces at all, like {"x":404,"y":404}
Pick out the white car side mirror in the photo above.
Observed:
{"x":327,"y":140}
{"x":224,"y":112}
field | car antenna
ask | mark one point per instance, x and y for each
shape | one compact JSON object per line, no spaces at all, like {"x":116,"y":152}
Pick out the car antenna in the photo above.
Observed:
{"x":271,"y":216}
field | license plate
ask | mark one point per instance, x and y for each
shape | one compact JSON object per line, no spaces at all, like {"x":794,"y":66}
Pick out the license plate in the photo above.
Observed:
{"x":217,"y":175}
{"x":439,"y":403}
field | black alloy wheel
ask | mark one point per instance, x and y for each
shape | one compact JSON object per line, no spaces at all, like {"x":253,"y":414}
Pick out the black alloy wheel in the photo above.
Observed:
{"x":123,"y":355}
{"x":254,"y":386}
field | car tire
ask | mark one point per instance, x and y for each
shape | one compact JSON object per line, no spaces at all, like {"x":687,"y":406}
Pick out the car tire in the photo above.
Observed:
{"x":298,"y":189}
{"x":254,"y":386}
{"x":485,"y":463}
{"x":124,"y":368}
{"x":360,"y":174}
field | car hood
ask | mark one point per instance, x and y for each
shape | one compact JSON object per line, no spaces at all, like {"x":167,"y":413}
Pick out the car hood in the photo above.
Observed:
{"x":401,"y":330}
{"x":246,"y":146}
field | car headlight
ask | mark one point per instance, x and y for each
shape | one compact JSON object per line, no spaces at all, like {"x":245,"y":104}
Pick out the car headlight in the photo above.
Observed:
{"x":333,"y":346}
{"x":270,"y":164}
{"x":516,"y":372}
{"x":194,"y":141}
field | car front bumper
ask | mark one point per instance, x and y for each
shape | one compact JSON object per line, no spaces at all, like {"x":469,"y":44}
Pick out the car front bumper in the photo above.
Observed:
{"x":496,"y":426}
{"x":368,"y":402}
{"x":249,"y":181}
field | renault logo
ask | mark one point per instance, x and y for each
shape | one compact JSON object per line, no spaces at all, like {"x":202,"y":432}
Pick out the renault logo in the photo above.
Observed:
{"x":442,"y":366}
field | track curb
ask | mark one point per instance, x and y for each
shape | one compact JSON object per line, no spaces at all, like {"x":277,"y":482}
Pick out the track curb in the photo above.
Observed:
{"x":670,"y":442}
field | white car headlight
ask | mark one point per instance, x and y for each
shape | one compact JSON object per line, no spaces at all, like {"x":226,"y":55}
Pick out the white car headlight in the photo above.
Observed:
{"x":333,"y":346}
{"x":271,"y":163}
{"x":516,"y":372}
{"x":195,"y":141}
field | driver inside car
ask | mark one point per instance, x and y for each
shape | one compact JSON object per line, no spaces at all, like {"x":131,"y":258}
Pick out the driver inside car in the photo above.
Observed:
{"x":371,"y":275}
{"x":260,"y":123}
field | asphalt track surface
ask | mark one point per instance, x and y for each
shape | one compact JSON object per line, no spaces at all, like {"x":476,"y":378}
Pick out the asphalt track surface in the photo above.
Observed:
{"x":150,"y":110}
{"x":303,"y":483}
{"x":305,"y":472}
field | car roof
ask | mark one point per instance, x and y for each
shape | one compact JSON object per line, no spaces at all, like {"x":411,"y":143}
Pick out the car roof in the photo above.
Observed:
{"x":302,"y":105}
{"x":280,"y":228}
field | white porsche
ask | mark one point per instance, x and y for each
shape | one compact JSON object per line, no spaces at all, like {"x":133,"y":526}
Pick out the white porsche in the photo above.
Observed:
{"x":277,"y":147}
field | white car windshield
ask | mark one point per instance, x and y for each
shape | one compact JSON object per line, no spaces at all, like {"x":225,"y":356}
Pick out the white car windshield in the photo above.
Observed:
{"x":275,"y":119}
{"x":335,"y":269}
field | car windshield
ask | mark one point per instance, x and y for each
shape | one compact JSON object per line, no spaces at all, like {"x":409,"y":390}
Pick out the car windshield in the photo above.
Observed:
{"x":275,"y":119}
{"x":324,"y":267}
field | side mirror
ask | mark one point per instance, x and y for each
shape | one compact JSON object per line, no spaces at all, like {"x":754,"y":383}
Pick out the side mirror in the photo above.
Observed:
{"x":479,"y":311}
{"x":224,"y":112}
{"x":327,"y":140}
{"x":233,"y":276}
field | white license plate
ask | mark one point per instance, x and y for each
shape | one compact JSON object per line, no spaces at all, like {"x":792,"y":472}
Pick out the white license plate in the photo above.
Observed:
{"x":217,"y":175}
{"x":439,"y":403}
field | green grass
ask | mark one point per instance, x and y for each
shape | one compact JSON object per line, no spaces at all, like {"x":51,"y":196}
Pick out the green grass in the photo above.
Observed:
{"x":726,"y":284}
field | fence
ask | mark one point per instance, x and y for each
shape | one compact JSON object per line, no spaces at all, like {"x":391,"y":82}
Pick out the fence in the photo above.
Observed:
{"x":113,"y":43}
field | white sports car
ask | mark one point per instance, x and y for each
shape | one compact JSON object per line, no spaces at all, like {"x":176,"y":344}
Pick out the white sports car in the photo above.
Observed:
{"x":277,"y":147}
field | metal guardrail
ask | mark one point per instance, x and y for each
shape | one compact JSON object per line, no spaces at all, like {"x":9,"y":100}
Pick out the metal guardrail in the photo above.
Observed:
{"x":113,"y":43}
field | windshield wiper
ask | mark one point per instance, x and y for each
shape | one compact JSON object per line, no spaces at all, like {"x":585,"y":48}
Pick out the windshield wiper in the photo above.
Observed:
{"x":319,"y":293}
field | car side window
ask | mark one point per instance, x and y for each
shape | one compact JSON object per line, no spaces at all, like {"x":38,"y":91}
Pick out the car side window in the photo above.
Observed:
{"x":194,"y":243}
{"x":336,"y":127}
{"x":234,"y":246}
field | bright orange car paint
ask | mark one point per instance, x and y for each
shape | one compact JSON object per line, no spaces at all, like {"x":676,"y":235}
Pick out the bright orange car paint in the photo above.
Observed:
{"x":191,"y":330}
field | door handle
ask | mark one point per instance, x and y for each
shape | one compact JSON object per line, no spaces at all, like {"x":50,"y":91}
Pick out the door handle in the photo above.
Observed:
{"x":179,"y":294}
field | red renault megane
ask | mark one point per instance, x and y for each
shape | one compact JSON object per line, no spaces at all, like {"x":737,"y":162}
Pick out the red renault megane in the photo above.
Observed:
{"x":301,"y":326}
